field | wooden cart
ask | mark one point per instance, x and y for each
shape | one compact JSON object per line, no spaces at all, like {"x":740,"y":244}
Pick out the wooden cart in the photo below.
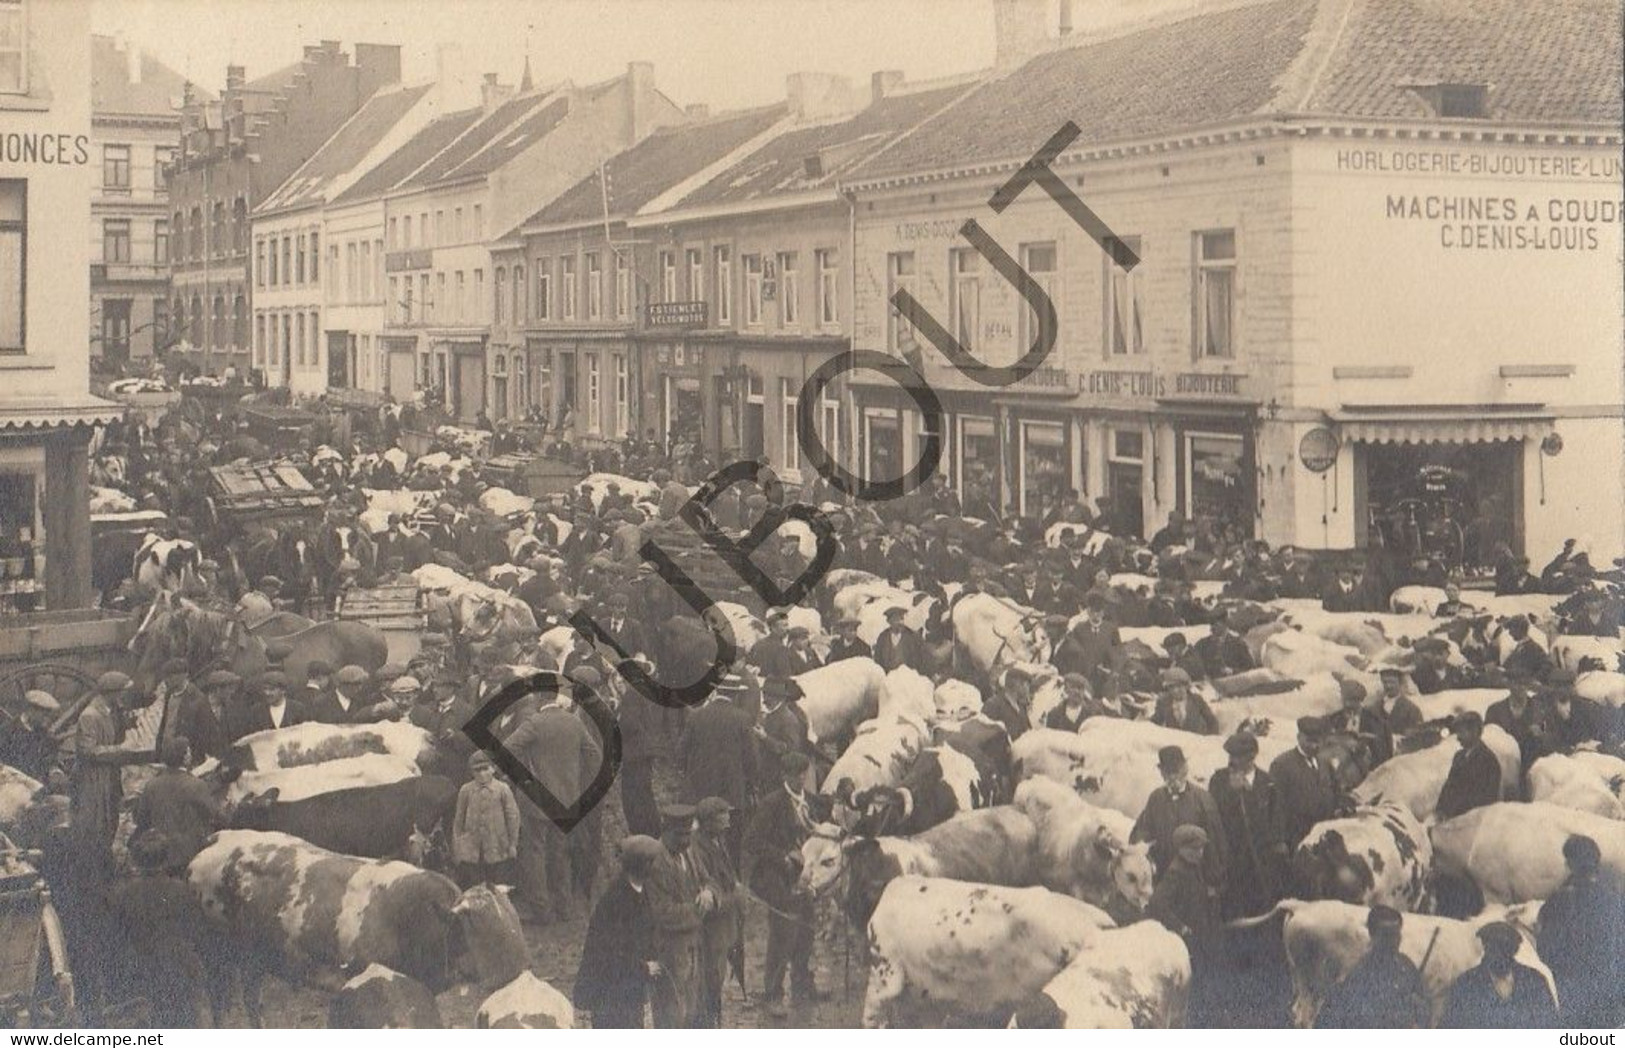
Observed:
{"x":62,"y":652}
{"x":277,"y":426}
{"x":396,"y":611}
{"x":261,"y":492}
{"x":36,"y":984}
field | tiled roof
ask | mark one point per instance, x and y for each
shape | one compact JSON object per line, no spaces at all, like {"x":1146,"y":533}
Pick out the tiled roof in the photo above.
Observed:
{"x":1554,"y":61}
{"x":660,"y":161}
{"x":780,"y":165}
{"x":514,"y":141}
{"x":481,"y":135}
{"x":417,"y":151}
{"x":158,"y":93}
{"x":349,"y":145}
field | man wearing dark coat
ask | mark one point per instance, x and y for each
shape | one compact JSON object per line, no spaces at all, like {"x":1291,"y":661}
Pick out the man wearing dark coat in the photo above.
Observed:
{"x":618,"y":965}
{"x":1180,"y":802}
{"x":201,"y":716}
{"x":178,"y":806}
{"x":784,"y":730}
{"x":268,"y":707}
{"x":98,"y":759}
{"x":1222,"y":652}
{"x":771,"y":654}
{"x":1250,"y":814}
{"x":1525,"y":720}
{"x":1475,"y":774}
{"x":899,"y":645}
{"x":1185,"y":901}
{"x":847,"y":644}
{"x":1501,"y":994}
{"x":783,"y":821}
{"x":1090,"y":644}
{"x":1579,"y":940}
{"x":640,"y":722}
{"x":677,"y":904}
{"x":557,"y":749}
{"x":798,"y":655}
{"x":1384,"y":991}
{"x":717,"y":756}
{"x":351,"y":700}
{"x":1303,"y":783}
{"x":1182,"y":709}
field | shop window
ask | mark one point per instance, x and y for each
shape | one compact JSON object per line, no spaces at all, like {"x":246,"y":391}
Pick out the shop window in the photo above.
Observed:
{"x":22,"y":544}
{"x":899,"y":277}
{"x":1039,"y":260}
{"x":977,"y":466}
{"x":1125,"y":329}
{"x":753,"y":289}
{"x":1216,"y":294}
{"x":160,"y":322}
{"x":1045,"y":469}
{"x":828,"y":282}
{"x":115,"y":240}
{"x":883,"y":445}
{"x":789,"y":290}
{"x":723,"y":259}
{"x":116,"y":170}
{"x":965,"y":289}
{"x":1214,"y":483}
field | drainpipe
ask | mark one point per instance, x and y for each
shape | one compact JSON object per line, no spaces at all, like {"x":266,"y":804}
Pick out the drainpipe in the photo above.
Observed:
{"x":850,"y":443}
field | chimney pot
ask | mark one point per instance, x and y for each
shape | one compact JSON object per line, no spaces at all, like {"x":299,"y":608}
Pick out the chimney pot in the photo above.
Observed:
{"x":1065,"y":23}
{"x":236,"y":76}
{"x":1019,"y":31}
{"x":884,"y":83}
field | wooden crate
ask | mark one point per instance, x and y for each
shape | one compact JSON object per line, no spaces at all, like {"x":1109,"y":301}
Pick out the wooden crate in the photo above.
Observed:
{"x":263,"y":490}
{"x":396,"y":611}
{"x":41,"y":635}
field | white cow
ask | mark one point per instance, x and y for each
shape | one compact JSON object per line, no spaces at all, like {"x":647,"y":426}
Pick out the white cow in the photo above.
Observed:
{"x":1379,"y":855}
{"x":1301,"y":655}
{"x":747,"y":628}
{"x":1112,"y":763}
{"x":1593,"y":782}
{"x":596,"y":485}
{"x":1412,"y":600}
{"x":1569,"y":651}
{"x":1134,"y":978}
{"x":956,"y":700}
{"x":840,"y":695}
{"x":503,"y":503}
{"x":941,"y":948}
{"x":1084,"y":851}
{"x":996,"y":631}
{"x":1415,"y":779}
{"x":1604,"y":686}
{"x":1514,"y":852}
{"x":1093,"y":540}
{"x":880,"y":755}
{"x":918,"y":609}
{"x":908,"y":694}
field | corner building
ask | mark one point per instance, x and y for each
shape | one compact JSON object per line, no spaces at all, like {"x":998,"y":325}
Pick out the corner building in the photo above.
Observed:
{"x":1413,"y":249}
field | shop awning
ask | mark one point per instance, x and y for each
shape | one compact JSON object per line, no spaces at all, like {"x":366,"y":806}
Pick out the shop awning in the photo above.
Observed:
{"x":1469,"y":424}
{"x":51,"y":412}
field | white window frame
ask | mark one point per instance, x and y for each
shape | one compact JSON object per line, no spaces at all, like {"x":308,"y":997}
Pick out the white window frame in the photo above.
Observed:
{"x":623,"y":394}
{"x":1121,"y":285}
{"x":1026,"y":317}
{"x":1210,"y":269}
{"x":623,"y":286}
{"x":829,"y":306}
{"x":668,"y":276}
{"x":595,"y":407}
{"x":829,"y":419}
{"x":722,"y":260}
{"x":965,"y":295}
{"x":567,"y":287}
{"x":696,"y":274}
{"x":19,"y":10}
{"x":789,"y":296}
{"x":790,"y":457}
{"x":900,"y":334}
{"x":753,"y":289}
{"x":595,"y":286}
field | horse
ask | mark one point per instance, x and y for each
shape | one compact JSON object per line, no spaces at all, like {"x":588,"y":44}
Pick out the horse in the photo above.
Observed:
{"x":164,"y":565}
{"x":177,"y":627}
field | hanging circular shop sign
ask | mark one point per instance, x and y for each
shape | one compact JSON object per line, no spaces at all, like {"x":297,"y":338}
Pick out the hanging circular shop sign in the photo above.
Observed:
{"x":1318,"y":449}
{"x":1552,"y":445}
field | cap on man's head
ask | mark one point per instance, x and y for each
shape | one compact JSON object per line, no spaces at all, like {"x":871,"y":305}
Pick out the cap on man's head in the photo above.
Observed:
{"x":1094,"y":601}
{"x":1242,"y":744}
{"x":352,"y":675}
{"x":845,"y":623}
{"x":1075,"y":680}
{"x":112,"y":682}
{"x":222,"y":679}
{"x":1170,"y":758}
{"x":1186,"y":835}
{"x":278,"y":650}
{"x":271,"y":679}
{"x":794,"y":763}
{"x":405,"y":684}
{"x":318,"y":667}
{"x":1311,"y":727}
{"x":619,"y":599}
{"x":640,"y":850}
{"x":1351,"y":691}
{"x":798,"y":633}
{"x":480,"y":759}
{"x":1582,"y":852}
{"x":895,"y":612}
{"x":1560,"y":675}
{"x":1390,"y":670}
{"x":1175,"y":675}
{"x":711,"y":807}
{"x":780,"y":688}
{"x":1174,"y":640}
{"x":176,"y":668}
{"x":676,"y":816}
{"x":41,"y":700}
{"x":1383,"y":917}
{"x":270,"y":583}
{"x":1467,"y":719}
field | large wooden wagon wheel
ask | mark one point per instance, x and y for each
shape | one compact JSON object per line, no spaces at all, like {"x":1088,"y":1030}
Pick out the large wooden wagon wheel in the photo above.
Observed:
{"x":69,"y":685}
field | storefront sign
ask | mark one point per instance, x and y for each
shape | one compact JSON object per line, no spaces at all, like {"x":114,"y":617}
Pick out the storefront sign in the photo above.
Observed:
{"x":27,"y":147}
{"x":676,"y":314}
{"x":416,"y":258}
{"x":1318,"y":449}
{"x":1141,"y":384}
{"x":938,"y":229}
{"x":1208,"y":385}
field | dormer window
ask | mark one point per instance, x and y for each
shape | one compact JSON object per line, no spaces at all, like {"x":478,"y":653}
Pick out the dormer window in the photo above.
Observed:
{"x":1455,"y":101}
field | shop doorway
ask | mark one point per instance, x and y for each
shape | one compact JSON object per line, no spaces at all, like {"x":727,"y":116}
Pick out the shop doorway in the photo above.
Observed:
{"x":1125,"y":482}
{"x":1217,"y":495}
{"x":339,"y":369}
{"x":683,"y":411}
{"x":1045,"y":470}
{"x":883,"y":446}
{"x":1457,"y":501}
{"x":753,"y":438}
{"x":116,"y":331}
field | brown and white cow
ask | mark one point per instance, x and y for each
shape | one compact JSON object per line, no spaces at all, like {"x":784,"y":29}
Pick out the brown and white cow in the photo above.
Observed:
{"x":381,"y":998}
{"x":287,"y":906}
{"x":943,"y":949}
{"x":1379,"y":855}
{"x":526,"y":1003}
{"x":1134,"y":978}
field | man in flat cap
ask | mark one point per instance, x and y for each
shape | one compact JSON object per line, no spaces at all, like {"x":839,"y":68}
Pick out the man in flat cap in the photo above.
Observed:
{"x":898,"y":645}
{"x":1579,"y":939}
{"x":98,"y":756}
{"x":349,"y":701}
{"x":271,"y":705}
{"x":1384,"y":991}
{"x":618,"y":966}
{"x":1180,"y":802}
{"x":1475,"y":774}
{"x":203,"y":717}
{"x":723,"y":924}
{"x":771,"y":654}
{"x":1250,"y":815}
{"x":1398,"y":709}
{"x":1222,"y":652}
{"x":717,"y":756}
{"x":677,"y":906}
{"x":626,"y":631}
{"x":799,"y":653}
{"x":784,"y":819}
{"x":26,"y":743}
{"x":1364,"y":724}
{"x":1501,"y":994}
{"x":847,"y":644}
{"x":1303,"y":783}
{"x":1186,"y":902}
{"x":1180,"y":708}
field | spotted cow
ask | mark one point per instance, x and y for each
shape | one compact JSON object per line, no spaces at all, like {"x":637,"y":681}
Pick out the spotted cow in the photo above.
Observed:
{"x":1379,"y":855}
{"x":526,"y":1003}
{"x":381,"y":998}
{"x":1134,"y":978}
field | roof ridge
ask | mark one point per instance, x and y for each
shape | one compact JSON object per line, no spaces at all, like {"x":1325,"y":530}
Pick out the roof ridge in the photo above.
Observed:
{"x":974,"y":85}
{"x":676,"y":193}
{"x":543,"y":102}
{"x":1326,"y":33}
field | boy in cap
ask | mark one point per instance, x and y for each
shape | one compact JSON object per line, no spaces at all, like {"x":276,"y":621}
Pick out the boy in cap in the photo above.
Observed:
{"x":1180,"y":708}
{"x":677,"y":905}
{"x":1501,"y":994}
{"x":1384,"y":991}
{"x":799,"y":653}
{"x":1179,"y":802}
{"x":1185,"y":902}
{"x":618,"y":966}
{"x":26,"y":743}
{"x":485,"y":827}
{"x":847,"y":644}
{"x":1303,"y":783}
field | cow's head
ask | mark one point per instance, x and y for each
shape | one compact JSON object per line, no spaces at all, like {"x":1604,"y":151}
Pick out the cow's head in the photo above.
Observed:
{"x":1130,"y":866}
{"x":489,"y":946}
{"x":823,"y":859}
{"x":252,"y":811}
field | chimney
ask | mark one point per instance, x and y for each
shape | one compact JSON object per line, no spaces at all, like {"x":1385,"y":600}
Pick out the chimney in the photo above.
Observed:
{"x":132,"y":57}
{"x":884,"y":83}
{"x":493,"y":94}
{"x":379,"y":66}
{"x":188,"y":95}
{"x":640,"y":92}
{"x":1019,"y":31}
{"x":1064,"y":28}
{"x":697,"y":111}
{"x":815,"y":96}
{"x":236,"y":77}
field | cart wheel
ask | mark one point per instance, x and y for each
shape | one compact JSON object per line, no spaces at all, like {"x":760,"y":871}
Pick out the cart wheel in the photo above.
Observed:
{"x":66,"y":684}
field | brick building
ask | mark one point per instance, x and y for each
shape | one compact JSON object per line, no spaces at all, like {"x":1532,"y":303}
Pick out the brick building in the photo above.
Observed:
{"x":135,"y":124}
{"x":233,"y":152}
{"x":1323,"y":209}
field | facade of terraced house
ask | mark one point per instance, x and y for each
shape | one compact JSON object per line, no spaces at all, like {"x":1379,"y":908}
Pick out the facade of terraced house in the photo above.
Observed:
{"x":1357,"y":224}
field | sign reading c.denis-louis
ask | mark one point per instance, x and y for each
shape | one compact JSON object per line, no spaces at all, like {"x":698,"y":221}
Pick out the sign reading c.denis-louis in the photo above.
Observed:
{"x":907,"y":375}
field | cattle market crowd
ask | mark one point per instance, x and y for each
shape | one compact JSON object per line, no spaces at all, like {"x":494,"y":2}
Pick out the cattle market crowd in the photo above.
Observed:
{"x":1238,"y":785}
